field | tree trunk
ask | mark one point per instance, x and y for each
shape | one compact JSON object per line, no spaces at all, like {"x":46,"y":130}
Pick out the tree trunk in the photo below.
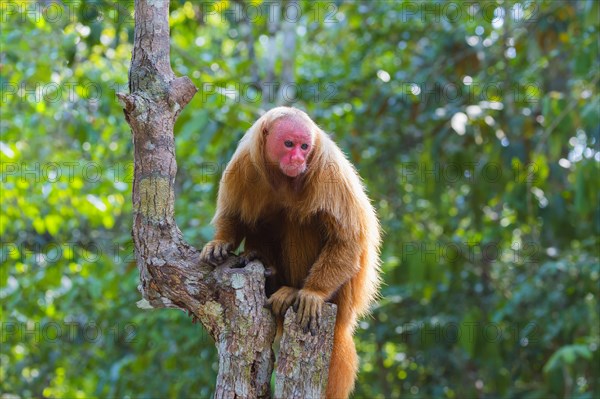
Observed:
{"x":228,"y":300}
{"x":300,"y":352}
{"x":287,"y":88}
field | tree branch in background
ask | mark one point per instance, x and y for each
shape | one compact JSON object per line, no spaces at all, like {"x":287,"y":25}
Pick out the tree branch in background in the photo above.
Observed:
{"x":287,"y":91}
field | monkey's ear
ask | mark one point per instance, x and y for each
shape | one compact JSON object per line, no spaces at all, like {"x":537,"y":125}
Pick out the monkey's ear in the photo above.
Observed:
{"x":264,"y":128}
{"x":260,"y":127}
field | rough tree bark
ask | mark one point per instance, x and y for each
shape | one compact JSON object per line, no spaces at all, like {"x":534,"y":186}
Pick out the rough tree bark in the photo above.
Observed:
{"x":228,"y":300}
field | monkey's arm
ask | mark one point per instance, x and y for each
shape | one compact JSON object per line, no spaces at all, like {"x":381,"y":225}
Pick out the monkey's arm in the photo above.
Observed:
{"x":338,"y":262}
{"x":229,"y":231}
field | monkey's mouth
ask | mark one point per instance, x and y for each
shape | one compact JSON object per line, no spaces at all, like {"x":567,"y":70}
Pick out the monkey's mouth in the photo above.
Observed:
{"x":294,"y":170}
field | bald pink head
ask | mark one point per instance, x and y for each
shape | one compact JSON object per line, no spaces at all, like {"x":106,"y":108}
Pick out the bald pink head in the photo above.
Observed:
{"x":289,"y":143}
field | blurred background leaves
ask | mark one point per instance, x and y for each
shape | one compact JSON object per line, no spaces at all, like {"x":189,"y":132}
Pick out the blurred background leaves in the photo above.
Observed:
{"x":474,"y":125}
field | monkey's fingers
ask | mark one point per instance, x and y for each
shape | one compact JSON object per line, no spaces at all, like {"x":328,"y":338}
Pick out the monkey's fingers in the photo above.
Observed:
{"x":309,"y":316}
{"x":285,"y":305}
{"x":282,"y":299}
{"x":204,"y":256}
{"x":269,"y":272}
{"x":317,"y":318}
{"x":277,"y":306}
{"x":319,"y":313}
{"x":215,"y":251}
{"x":206,"y":253}
{"x":314,"y":326}
{"x":309,"y":319}
{"x":301,"y":305}
{"x":221,"y":251}
{"x":271,"y":304}
{"x":249,"y":256}
{"x":308,"y":306}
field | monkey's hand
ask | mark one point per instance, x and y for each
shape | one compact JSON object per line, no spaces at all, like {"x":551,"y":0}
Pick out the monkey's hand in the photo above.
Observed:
{"x":249,"y":256}
{"x":282,"y":299}
{"x":215,"y":251}
{"x":308,"y":307}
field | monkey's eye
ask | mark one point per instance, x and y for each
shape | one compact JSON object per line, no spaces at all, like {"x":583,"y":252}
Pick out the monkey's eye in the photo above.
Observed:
{"x":288,"y":144}
{"x":304,"y":146}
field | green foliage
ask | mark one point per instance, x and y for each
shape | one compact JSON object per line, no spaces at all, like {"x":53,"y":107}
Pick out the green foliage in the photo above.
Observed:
{"x":476,"y":131}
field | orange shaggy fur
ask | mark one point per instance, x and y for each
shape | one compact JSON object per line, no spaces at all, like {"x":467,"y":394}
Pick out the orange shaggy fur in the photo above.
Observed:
{"x":319,"y":231}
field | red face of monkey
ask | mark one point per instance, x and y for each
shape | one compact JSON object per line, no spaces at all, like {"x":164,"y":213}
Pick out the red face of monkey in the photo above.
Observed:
{"x":288,"y":145}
